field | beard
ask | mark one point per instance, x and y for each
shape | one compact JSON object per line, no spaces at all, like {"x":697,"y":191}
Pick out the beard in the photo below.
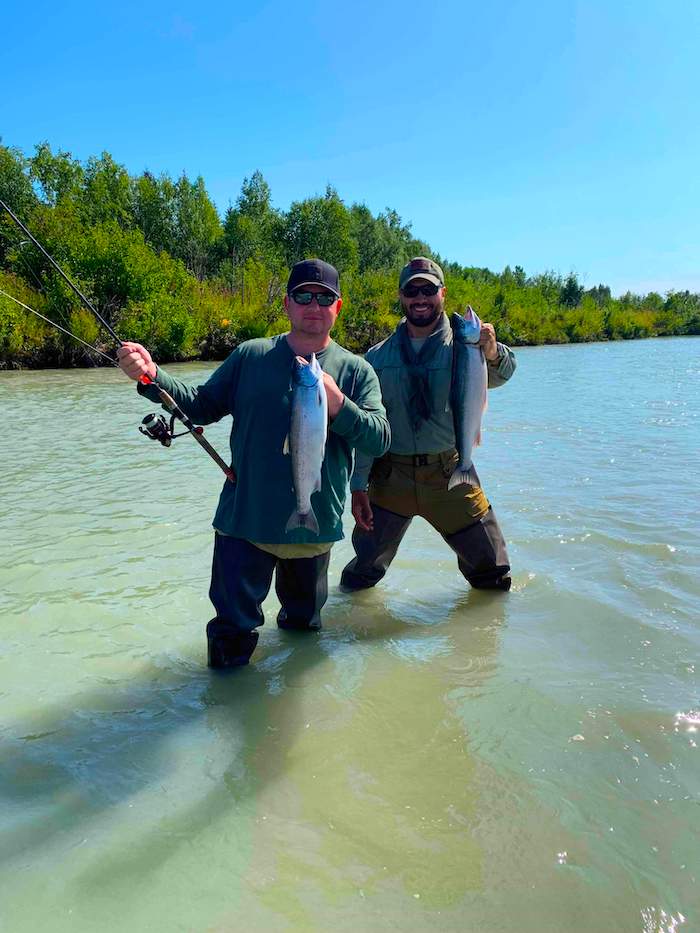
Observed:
{"x":424,"y":319}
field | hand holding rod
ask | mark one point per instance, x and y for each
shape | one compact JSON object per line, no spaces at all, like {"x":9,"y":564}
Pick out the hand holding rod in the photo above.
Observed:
{"x":166,"y":399}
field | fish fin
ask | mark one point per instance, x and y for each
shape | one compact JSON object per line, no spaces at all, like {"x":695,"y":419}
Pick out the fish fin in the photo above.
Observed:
{"x":312,"y":522}
{"x":318,"y":484}
{"x":285,"y":447}
{"x":295,"y":521}
{"x":303,"y":520}
{"x":461,"y":475}
{"x":477,"y":439}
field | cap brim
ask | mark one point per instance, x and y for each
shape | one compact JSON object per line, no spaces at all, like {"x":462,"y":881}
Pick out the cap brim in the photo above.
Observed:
{"x":322,"y":284}
{"x":424,"y":275}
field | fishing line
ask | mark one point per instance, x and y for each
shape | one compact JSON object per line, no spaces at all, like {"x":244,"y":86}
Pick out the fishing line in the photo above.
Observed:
{"x":166,"y":399}
{"x":58,"y":327}
{"x":88,"y":304}
{"x":32,"y":271}
{"x":27,"y":265}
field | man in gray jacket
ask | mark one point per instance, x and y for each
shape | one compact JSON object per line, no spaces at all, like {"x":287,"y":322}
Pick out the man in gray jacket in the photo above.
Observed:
{"x":414,"y":366}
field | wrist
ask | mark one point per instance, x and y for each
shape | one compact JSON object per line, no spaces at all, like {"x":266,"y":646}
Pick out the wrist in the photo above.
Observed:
{"x":338,"y":403}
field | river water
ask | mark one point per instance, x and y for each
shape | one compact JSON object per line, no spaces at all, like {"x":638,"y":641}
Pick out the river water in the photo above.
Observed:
{"x":435,"y":759}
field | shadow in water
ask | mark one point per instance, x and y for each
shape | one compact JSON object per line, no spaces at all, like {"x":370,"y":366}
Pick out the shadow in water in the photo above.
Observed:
{"x":74,"y":762}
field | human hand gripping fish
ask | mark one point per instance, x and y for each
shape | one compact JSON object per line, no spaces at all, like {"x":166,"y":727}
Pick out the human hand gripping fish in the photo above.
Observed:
{"x":306,"y":441}
{"x":468,"y":395}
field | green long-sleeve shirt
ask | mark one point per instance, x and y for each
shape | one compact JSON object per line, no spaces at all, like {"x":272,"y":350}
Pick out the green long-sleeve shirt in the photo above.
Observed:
{"x":254,"y":386}
{"x":437,"y":433}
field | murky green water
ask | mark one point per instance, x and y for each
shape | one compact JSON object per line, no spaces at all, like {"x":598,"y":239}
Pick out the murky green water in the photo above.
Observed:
{"x":436,"y":759}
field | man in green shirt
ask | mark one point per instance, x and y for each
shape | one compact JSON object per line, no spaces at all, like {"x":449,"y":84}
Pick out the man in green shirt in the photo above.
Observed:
{"x":254,"y":386}
{"x":414,"y":366}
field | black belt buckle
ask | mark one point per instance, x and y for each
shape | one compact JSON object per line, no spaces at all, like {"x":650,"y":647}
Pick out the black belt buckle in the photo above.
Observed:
{"x":420,"y":460}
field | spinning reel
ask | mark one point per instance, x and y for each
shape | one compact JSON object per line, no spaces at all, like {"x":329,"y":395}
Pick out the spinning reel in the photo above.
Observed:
{"x":156,"y":427}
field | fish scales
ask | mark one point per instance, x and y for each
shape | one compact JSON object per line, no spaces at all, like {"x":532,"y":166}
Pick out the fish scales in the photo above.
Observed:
{"x":468,"y":394}
{"x":306,"y":442}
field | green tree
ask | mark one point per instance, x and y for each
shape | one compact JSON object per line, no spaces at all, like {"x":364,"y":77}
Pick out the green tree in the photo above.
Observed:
{"x":519,"y":277}
{"x":154,"y":210}
{"x":549,"y":285}
{"x":680,"y":314}
{"x":253,"y":229}
{"x":198,"y":230}
{"x":320,"y":227}
{"x":571,"y":292}
{"x":383,"y":243}
{"x":107,"y":192}
{"x":17,"y":192}
{"x":58,"y":175}
{"x":600,"y":294}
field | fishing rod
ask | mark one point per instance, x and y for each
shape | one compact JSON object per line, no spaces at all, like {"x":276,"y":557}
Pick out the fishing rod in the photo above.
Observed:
{"x":153,"y":426}
{"x":58,"y":326}
{"x":88,"y":304}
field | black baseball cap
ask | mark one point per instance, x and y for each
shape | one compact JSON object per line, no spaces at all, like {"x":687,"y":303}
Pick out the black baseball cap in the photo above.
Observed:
{"x":314,"y":272}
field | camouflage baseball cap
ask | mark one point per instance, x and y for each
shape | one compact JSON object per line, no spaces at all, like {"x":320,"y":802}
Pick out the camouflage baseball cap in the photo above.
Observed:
{"x":421,"y":268}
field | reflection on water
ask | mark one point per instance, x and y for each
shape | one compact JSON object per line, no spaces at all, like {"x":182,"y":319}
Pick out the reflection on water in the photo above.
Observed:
{"x":363,"y":806}
{"x":434,"y":759}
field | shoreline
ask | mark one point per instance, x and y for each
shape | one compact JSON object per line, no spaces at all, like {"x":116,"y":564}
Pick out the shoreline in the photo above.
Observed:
{"x":16,"y":366}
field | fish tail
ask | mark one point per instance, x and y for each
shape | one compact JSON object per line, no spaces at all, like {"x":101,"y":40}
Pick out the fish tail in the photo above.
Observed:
{"x":306,"y":520}
{"x":463,"y":474}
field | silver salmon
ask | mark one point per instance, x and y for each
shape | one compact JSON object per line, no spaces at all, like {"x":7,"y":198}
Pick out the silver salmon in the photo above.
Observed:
{"x":306,"y":441}
{"x":468,"y":393}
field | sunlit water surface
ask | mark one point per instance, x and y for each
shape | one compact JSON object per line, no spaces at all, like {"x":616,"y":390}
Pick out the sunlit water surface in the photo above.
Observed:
{"x":436,"y":759}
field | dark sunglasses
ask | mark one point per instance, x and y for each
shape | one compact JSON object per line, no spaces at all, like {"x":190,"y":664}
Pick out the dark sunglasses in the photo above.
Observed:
{"x":324,"y":299}
{"x":410,"y":291}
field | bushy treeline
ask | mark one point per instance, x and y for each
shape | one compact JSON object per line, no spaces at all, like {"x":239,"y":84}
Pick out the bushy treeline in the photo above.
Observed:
{"x":165,"y":269}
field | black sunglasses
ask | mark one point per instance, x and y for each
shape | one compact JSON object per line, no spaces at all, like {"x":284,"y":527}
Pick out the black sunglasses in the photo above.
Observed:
{"x":410,"y":291}
{"x":324,"y":299}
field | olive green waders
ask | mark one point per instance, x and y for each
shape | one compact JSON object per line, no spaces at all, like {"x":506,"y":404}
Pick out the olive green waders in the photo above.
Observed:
{"x":403,"y":486}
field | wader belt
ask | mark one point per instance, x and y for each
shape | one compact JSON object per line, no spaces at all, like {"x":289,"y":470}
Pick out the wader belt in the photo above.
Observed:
{"x":418,"y":460}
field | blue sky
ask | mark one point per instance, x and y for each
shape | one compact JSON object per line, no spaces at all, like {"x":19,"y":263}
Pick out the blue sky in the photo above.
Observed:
{"x":553,"y":135}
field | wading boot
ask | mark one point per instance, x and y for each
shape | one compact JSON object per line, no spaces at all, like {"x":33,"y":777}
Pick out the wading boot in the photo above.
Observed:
{"x":481,"y":554}
{"x":228,"y":646}
{"x":298,"y":625}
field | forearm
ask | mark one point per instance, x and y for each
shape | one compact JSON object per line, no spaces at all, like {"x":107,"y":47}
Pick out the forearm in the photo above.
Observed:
{"x":196,"y":401}
{"x":361,"y":470}
{"x":366,"y":429}
{"x":502,"y":368}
